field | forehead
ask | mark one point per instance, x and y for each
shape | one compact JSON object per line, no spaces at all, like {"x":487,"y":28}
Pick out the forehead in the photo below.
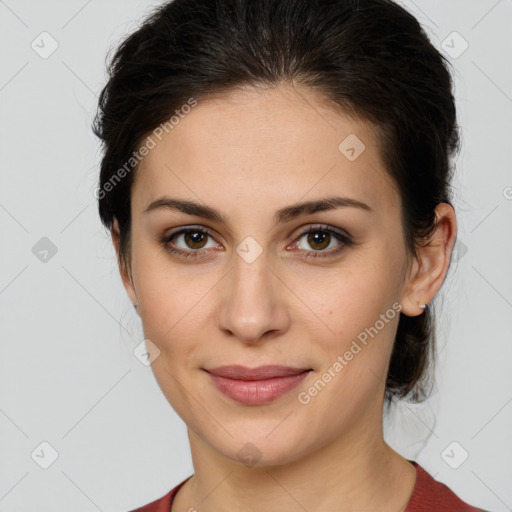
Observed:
{"x":277,"y":144}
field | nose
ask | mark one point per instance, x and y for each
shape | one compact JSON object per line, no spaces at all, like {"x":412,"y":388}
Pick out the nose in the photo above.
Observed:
{"x":254,"y":303}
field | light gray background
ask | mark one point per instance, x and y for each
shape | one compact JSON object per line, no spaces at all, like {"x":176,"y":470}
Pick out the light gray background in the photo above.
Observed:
{"x":67,"y":373}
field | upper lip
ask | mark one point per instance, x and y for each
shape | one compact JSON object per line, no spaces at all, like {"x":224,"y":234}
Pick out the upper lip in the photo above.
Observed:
{"x":261,"y":372}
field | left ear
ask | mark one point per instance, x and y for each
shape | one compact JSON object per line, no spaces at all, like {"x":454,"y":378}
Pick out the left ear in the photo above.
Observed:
{"x":431,"y":265}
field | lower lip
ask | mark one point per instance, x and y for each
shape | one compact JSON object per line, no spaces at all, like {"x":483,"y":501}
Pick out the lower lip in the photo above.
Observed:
{"x":256,"y":392}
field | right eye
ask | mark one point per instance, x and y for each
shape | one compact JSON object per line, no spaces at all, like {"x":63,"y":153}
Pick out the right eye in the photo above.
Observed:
{"x":194,"y":240}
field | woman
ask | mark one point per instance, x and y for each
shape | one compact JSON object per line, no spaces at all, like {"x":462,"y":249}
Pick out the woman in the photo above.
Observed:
{"x":276,"y":180}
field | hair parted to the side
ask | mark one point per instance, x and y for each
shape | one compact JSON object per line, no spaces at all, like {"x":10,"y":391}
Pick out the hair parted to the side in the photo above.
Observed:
{"x":370,"y":58}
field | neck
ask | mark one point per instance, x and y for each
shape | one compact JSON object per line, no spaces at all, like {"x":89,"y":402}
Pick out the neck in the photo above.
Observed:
{"x":357,"y":471}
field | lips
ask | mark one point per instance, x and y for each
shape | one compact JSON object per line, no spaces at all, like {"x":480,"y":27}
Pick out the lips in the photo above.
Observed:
{"x":239,"y":372}
{"x":256,"y":386}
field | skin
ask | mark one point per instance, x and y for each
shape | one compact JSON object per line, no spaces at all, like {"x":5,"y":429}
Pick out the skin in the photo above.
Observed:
{"x":248,"y":154}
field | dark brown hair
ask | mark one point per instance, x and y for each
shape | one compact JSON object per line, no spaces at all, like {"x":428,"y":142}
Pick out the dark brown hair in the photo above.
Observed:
{"x":369,"y":57}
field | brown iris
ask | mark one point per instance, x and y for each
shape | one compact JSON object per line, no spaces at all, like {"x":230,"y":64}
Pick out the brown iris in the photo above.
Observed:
{"x":198,"y":239}
{"x":318,"y":237}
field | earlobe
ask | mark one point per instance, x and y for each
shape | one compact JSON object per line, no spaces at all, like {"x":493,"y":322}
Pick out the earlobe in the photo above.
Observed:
{"x":415,"y":300}
{"x":433,"y":258}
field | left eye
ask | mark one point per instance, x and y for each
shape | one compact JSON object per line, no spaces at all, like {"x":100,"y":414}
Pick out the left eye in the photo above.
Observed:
{"x":322,"y":238}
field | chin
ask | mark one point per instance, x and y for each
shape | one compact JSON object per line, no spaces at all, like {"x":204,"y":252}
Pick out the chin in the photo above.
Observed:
{"x":259,"y":450}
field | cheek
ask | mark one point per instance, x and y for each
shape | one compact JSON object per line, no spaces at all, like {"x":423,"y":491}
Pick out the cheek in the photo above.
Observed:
{"x":351,"y":298}
{"x":169,"y":294}
{"x":360,"y":306}
{"x":365,"y":331}
{"x":361,"y":309}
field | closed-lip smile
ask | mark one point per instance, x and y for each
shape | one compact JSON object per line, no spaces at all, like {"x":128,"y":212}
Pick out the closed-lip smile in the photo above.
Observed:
{"x":256,"y":386}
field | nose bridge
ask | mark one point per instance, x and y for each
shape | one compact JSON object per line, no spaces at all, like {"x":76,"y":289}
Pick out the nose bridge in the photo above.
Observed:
{"x":251,"y":278}
{"x":251,"y":305}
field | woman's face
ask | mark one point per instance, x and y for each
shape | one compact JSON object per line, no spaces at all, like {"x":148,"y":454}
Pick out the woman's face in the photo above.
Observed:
{"x":248,"y":290}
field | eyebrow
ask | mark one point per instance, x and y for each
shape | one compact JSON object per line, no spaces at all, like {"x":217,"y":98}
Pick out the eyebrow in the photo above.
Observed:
{"x":283,"y":215}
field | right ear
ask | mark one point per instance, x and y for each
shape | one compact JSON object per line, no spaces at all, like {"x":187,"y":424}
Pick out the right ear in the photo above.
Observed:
{"x":123,"y":270}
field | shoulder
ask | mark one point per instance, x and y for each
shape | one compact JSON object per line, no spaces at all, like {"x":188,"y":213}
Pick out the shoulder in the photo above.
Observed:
{"x":162,"y":504}
{"x":429,"y":494}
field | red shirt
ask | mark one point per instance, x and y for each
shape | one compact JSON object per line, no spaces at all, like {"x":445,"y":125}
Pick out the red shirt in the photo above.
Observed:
{"x":429,"y":495}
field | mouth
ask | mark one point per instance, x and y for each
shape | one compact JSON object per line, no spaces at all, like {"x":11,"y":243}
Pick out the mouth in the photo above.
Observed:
{"x":240,"y":372}
{"x":256,"y":386}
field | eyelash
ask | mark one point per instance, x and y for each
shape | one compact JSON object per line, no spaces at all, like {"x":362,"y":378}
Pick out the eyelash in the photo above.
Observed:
{"x":344,"y":239}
